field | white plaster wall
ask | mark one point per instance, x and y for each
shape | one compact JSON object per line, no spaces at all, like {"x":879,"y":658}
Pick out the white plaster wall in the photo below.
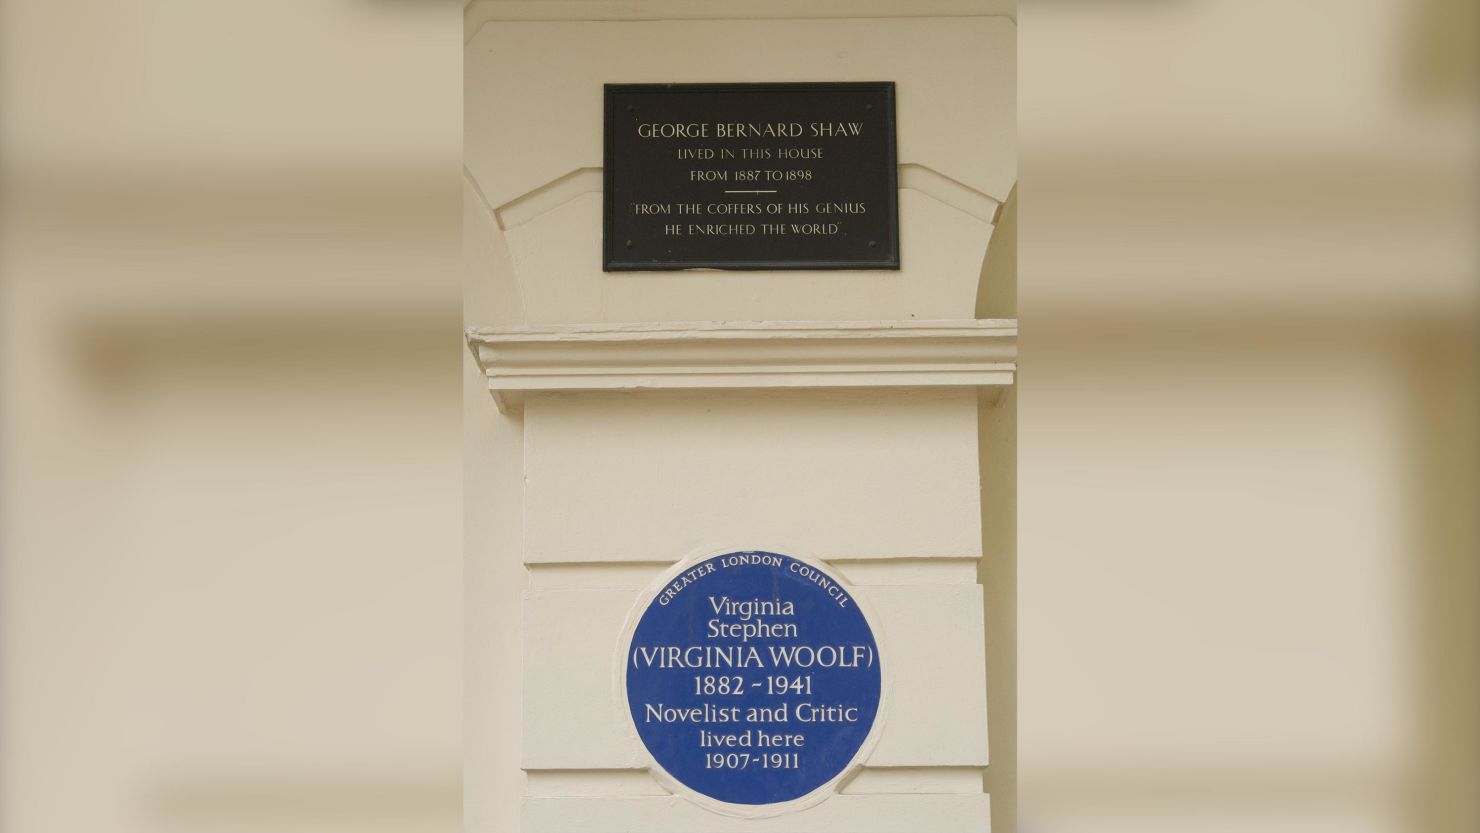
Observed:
{"x":649,"y":477}
{"x":533,"y":94}
{"x":607,"y":490}
{"x":884,"y":484}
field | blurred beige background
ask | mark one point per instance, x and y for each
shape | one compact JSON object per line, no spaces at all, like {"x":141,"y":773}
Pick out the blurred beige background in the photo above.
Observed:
{"x":232,"y":455}
{"x":1247,"y":594}
{"x":230,"y":594}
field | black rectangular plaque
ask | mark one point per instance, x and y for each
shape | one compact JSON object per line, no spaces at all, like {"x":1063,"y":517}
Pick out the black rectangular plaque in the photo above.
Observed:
{"x":750,"y":176}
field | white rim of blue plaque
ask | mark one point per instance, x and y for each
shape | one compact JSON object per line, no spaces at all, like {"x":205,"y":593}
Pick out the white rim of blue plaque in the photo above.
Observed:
{"x":748,"y":811}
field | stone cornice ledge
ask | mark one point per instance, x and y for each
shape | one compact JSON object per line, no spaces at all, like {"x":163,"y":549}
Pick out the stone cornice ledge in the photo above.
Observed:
{"x":743,"y":355}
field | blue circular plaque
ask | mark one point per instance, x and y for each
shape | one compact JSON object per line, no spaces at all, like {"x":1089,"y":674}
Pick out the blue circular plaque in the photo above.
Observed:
{"x":753,"y":678}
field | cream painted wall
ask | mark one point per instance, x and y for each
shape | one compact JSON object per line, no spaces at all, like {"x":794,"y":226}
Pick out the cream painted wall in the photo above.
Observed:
{"x":957,"y":158}
{"x":576,"y":501}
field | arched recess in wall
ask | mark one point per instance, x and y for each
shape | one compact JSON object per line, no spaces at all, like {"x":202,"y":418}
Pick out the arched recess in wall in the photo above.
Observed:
{"x":996,"y":290}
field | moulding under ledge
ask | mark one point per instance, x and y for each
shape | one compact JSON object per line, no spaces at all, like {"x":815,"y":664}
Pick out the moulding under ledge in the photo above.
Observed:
{"x":743,"y":355}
